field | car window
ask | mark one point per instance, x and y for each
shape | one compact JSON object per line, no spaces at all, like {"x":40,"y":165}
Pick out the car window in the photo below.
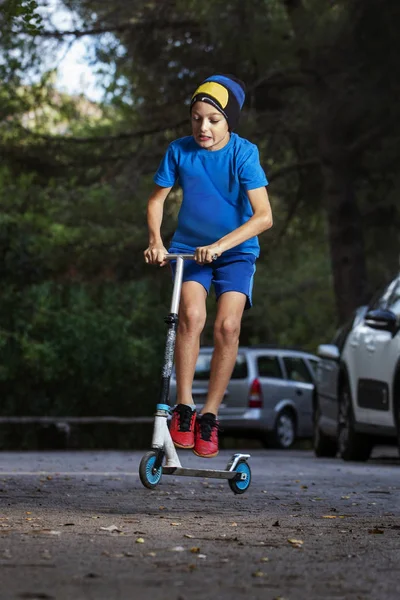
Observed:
{"x":394,"y":300}
{"x":240,"y":368}
{"x":297,"y":369}
{"x":203,"y":366}
{"x":342,"y":333}
{"x":202,"y":371}
{"x":313,"y":364}
{"x":268,"y":366}
{"x":380,"y":300}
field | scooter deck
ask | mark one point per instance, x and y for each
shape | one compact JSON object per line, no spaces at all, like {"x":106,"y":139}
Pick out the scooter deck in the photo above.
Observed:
{"x":184,"y":472}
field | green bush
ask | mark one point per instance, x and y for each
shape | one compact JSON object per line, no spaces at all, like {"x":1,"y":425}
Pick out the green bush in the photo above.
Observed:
{"x":78,"y":349}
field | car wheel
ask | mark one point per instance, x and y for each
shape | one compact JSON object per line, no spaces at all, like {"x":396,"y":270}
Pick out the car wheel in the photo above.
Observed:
{"x":352,"y":445}
{"x":324,"y":446}
{"x":284,"y":433}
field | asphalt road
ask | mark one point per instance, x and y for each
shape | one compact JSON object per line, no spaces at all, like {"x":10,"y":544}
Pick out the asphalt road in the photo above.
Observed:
{"x":80,"y":525}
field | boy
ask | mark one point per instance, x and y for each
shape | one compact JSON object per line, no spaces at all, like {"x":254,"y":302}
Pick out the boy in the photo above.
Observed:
{"x":225,"y":206}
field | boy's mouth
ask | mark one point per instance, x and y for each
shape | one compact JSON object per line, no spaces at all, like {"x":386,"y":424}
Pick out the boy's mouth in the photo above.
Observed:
{"x":204,"y":138}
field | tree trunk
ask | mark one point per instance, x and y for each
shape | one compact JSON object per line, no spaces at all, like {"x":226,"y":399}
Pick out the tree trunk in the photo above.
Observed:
{"x":346,"y":240}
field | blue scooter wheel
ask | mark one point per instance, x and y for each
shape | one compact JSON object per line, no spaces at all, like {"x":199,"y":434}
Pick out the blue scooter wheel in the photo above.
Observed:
{"x":242,"y":481}
{"x":149,"y":476}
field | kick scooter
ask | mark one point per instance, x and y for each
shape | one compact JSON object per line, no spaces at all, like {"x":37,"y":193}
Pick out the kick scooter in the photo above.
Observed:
{"x":163,"y":458}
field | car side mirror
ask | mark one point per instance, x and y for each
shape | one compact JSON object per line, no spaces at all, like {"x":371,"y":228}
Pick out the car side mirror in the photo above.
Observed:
{"x":382,"y":319}
{"x":329,"y":351}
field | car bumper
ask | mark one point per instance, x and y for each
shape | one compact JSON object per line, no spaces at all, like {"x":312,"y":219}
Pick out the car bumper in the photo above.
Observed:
{"x":253,"y":419}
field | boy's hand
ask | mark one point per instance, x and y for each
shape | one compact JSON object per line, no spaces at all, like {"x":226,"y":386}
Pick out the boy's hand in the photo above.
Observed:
{"x":206,"y":254}
{"x":155,"y":255}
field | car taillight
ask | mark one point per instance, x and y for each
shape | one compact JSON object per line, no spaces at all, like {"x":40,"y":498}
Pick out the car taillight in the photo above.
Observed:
{"x":255,"y":395}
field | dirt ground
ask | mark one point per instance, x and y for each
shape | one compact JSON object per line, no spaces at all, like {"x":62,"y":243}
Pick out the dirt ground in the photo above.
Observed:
{"x":80,"y":526}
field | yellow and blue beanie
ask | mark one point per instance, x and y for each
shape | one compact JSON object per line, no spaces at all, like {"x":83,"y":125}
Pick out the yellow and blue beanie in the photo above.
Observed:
{"x":226,"y":93}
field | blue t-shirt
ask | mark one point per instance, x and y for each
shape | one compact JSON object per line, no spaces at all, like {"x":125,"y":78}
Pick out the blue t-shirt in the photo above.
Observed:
{"x":214,"y":185}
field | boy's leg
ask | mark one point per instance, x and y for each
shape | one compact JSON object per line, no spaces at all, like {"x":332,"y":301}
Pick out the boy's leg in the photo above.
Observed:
{"x":226,"y":341}
{"x":192,"y":317}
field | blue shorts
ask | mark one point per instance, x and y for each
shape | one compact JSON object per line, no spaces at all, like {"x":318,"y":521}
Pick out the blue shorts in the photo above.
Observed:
{"x":229,"y":273}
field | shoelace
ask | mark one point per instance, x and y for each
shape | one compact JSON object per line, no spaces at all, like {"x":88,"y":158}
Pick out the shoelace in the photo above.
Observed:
{"x":207,"y":424}
{"x":185,"y":417}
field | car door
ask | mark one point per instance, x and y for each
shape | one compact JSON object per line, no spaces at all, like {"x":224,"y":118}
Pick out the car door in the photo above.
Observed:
{"x":273,"y":383}
{"x":300,"y":385}
{"x":235,"y":400}
{"x":381,"y":350}
{"x":365,"y":354}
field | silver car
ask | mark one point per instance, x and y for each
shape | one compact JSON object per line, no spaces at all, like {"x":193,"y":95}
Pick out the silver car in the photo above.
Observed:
{"x":268,"y":397}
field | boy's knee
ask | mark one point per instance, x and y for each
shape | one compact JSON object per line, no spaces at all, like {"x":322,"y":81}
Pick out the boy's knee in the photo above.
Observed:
{"x":192,"y":319}
{"x":227,"y":330}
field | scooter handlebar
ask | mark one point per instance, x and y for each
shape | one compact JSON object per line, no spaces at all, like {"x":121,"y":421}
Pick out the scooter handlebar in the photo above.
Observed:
{"x":175,"y":256}
{"x":185,"y":256}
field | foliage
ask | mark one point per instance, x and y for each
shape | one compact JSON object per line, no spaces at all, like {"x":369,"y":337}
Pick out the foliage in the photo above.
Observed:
{"x":78,"y":307}
{"x":77,"y":350}
{"x":22,"y":13}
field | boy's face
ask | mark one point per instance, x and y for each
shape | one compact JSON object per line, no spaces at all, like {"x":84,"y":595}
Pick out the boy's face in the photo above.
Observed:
{"x":209,"y":126}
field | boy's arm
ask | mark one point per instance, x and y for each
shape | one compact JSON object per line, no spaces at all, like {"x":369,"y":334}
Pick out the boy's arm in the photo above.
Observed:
{"x":156,"y":250}
{"x":259,"y":222}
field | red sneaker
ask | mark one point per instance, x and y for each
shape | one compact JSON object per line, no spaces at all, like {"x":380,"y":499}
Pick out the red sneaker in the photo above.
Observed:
{"x":182,"y":426}
{"x":206,"y":436}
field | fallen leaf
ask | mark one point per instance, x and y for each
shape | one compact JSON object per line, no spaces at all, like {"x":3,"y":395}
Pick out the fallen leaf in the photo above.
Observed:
{"x":111,"y":528}
{"x":140,"y":540}
{"x":178,"y":549}
{"x":264,"y":559}
{"x":233,"y":524}
{"x":195,"y":550}
{"x":345,"y":497}
{"x":328,"y":517}
{"x":187,"y":535}
{"x":151,"y":554}
{"x":202,"y":556}
{"x":296,"y":543}
{"x":176,"y":524}
{"x":258,"y":574}
{"x":376,"y":530}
